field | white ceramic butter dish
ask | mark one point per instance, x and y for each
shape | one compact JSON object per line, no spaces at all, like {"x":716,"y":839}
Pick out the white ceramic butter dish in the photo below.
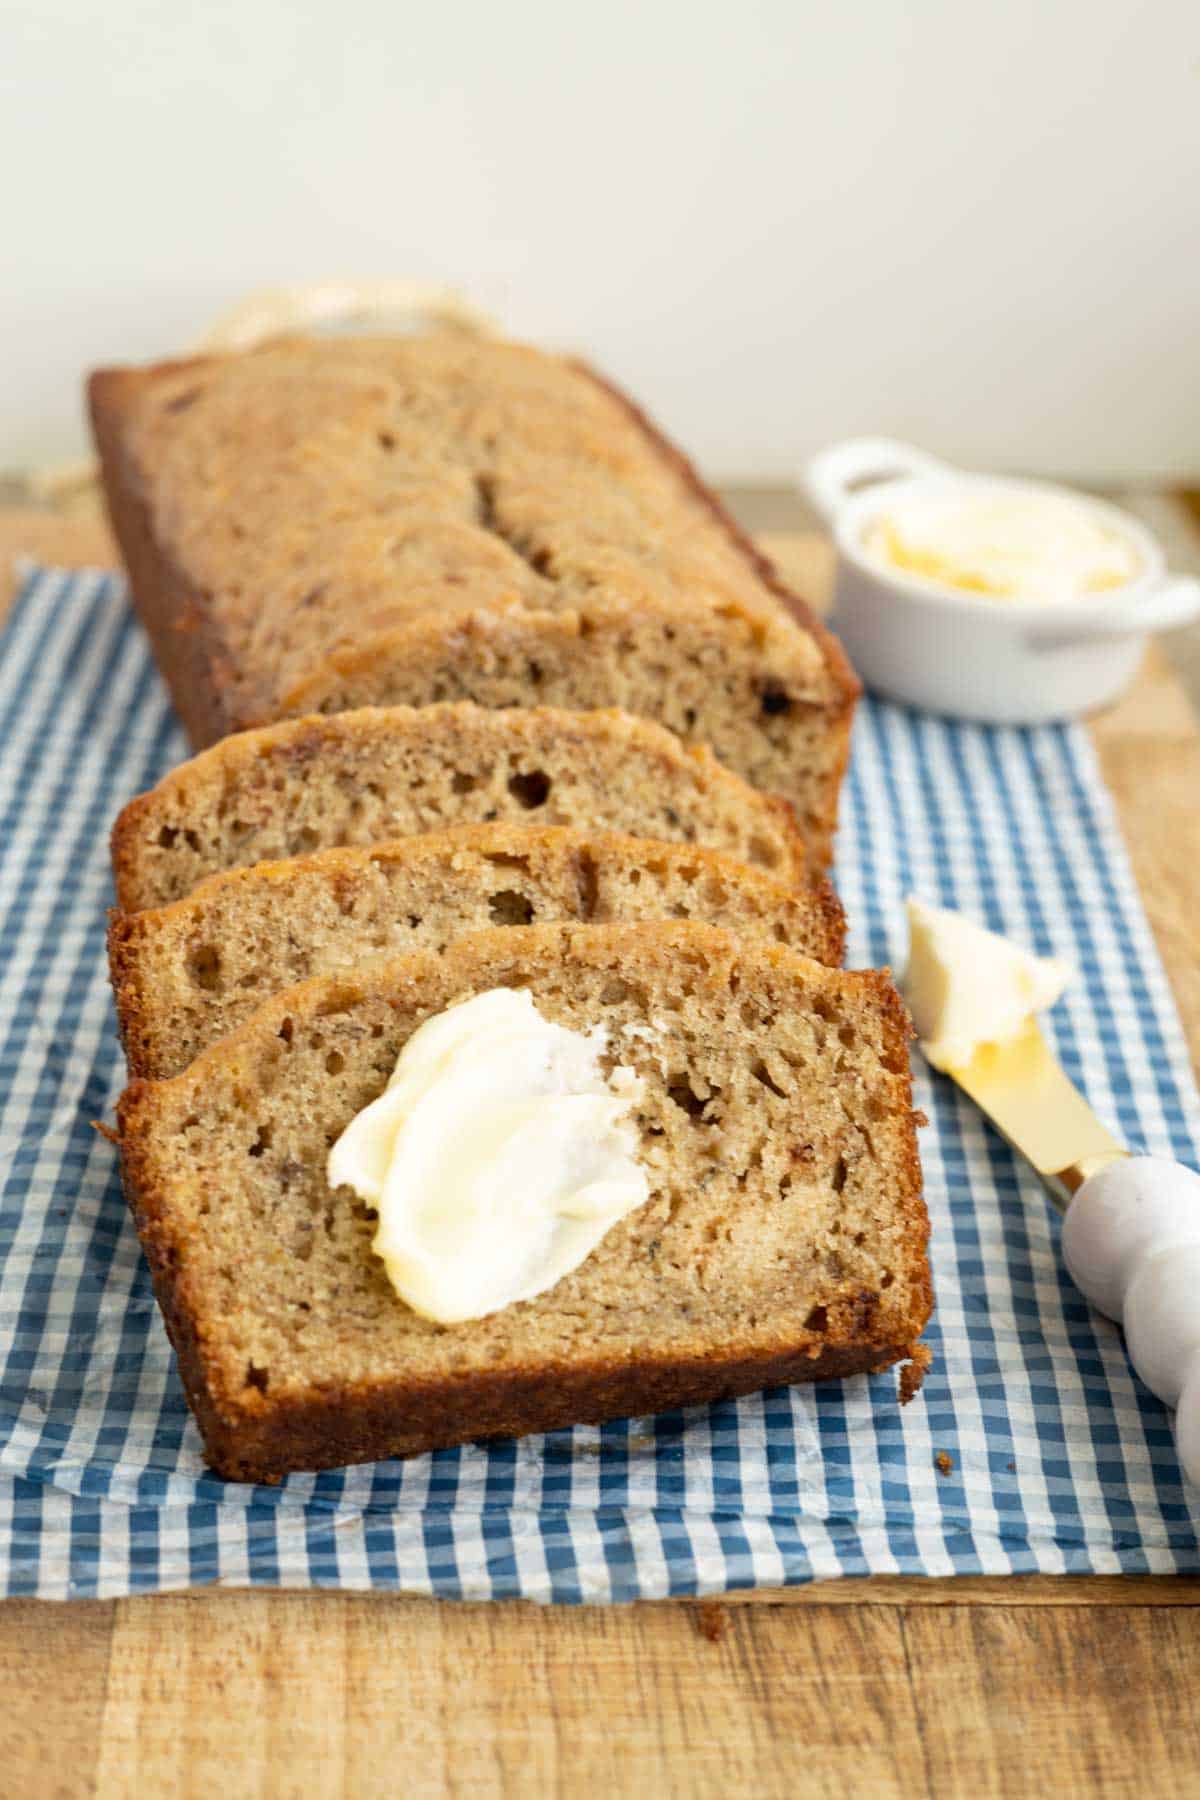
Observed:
{"x":1008,"y":659}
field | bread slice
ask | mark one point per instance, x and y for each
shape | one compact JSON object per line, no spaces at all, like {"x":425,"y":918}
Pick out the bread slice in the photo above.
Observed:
{"x":185,"y":975}
{"x":370,"y":776}
{"x":322,"y":524}
{"x":784,"y":1239}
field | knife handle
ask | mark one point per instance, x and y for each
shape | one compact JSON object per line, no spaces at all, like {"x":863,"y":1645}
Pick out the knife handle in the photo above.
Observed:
{"x":1131,"y":1243}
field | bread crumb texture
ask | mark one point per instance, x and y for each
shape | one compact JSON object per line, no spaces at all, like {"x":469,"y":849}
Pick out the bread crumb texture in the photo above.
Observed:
{"x":382,"y":773}
{"x":185,"y":975}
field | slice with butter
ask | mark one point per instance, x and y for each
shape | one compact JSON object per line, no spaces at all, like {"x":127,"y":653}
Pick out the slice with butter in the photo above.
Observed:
{"x":769,"y":1110}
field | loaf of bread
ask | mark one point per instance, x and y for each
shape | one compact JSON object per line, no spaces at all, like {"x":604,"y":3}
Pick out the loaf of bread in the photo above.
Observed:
{"x":320,"y":525}
{"x":381,"y":773}
{"x":784,"y":1238}
{"x":187,"y":974}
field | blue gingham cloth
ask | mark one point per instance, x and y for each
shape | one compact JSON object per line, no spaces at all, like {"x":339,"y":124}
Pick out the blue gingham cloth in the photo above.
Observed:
{"x":1058,"y":1459}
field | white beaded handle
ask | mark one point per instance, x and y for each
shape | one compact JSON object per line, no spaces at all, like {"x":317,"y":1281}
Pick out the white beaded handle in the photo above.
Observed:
{"x":1131,"y":1243}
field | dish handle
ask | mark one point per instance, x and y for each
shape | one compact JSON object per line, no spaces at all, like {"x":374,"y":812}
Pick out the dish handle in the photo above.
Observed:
{"x":832,"y":477}
{"x":1175,"y":601}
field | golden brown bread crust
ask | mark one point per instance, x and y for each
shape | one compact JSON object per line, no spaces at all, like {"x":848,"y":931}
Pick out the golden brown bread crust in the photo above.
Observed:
{"x":254,"y":1434}
{"x":483,"y":650}
{"x":348,"y":1425}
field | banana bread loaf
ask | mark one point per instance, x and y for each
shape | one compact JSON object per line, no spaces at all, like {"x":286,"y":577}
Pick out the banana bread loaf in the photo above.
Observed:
{"x":187,"y":974}
{"x":784,"y":1238}
{"x":319,"y":525}
{"x":381,"y":773}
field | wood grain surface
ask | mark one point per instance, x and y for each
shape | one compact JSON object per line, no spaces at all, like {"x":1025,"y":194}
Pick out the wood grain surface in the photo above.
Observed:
{"x":882,"y":1688}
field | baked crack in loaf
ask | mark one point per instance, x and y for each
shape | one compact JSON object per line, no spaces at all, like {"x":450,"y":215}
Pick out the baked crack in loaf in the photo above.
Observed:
{"x":319,"y":525}
{"x":784,"y":1238}
{"x":187,"y":974}
{"x":381,"y":773}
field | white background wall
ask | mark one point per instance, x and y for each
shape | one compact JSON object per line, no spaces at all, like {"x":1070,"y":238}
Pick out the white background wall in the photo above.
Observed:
{"x":972,"y":222}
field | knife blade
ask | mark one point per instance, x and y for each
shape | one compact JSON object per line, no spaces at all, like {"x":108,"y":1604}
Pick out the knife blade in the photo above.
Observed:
{"x":1026,"y":1094}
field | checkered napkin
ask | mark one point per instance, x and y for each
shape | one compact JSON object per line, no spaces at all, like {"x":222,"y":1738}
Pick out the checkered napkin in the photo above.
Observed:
{"x":1058,"y":1460}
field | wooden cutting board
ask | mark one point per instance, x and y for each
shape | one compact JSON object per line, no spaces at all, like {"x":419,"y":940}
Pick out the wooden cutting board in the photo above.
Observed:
{"x":875,"y":1688}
